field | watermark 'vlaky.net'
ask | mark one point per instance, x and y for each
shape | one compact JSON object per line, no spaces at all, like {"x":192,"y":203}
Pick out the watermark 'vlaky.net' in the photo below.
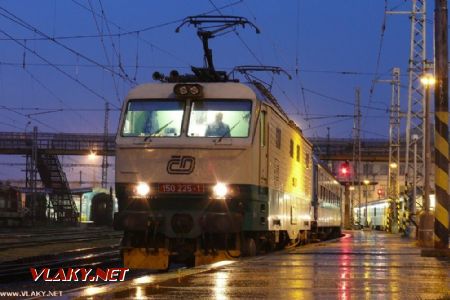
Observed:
{"x":79,"y":274}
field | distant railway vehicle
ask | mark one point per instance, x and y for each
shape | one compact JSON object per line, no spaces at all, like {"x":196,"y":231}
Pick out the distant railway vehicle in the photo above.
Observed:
{"x":11,"y":213}
{"x":377,"y":213}
{"x":327,"y":202}
{"x":208,"y":168}
{"x":102,"y":209}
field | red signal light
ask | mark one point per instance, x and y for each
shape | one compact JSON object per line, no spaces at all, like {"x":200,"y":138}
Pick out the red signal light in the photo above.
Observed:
{"x":344,"y":169}
{"x":380,"y":193}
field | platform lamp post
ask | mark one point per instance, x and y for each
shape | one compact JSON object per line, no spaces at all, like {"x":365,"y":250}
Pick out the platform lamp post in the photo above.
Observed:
{"x":352,"y":207}
{"x":426,"y":222}
{"x":366,"y":183}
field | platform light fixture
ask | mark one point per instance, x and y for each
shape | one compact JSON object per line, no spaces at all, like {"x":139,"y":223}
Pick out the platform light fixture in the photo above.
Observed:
{"x":428,"y":80}
{"x":92,"y":155}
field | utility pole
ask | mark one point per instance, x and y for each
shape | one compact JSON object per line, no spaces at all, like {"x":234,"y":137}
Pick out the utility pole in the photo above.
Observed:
{"x":441,"y":224}
{"x":105,"y":149}
{"x":34,"y":155}
{"x":357,"y":151}
{"x":416,"y":99}
{"x":328,"y":149}
{"x":394,"y":151}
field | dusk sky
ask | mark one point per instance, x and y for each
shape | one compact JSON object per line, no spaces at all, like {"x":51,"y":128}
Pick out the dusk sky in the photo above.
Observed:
{"x":52,"y":57}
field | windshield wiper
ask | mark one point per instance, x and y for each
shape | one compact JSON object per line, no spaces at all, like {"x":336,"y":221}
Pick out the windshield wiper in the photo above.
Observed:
{"x":228,"y":131}
{"x":158,"y":131}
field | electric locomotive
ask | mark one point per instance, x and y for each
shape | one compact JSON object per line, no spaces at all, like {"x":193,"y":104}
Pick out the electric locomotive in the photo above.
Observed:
{"x":185,"y":192}
{"x":208,"y":168}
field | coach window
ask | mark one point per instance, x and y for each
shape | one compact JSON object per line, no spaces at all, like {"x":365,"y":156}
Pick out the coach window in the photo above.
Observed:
{"x":278,"y":138}
{"x":291,"y":148}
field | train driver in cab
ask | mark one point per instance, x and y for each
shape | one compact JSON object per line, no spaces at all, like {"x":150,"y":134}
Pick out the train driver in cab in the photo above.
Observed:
{"x":218,"y":127}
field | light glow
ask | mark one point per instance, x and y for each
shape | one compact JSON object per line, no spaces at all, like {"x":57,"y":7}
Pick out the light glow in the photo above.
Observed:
{"x":222,"y":263}
{"x":90,"y":291}
{"x":220,"y":190}
{"x":428,"y":80}
{"x":92,"y":155}
{"x":142,"y":189}
{"x":143,"y":280}
{"x":393,"y":165}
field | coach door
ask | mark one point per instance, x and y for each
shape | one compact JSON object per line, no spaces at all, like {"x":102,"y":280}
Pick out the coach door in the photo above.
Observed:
{"x":263,"y":148}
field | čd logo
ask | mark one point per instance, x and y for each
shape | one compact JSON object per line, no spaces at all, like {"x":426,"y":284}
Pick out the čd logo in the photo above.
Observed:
{"x":181,"y":165}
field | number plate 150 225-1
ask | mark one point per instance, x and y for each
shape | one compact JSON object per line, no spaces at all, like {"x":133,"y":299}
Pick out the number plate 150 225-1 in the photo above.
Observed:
{"x":190,"y":188}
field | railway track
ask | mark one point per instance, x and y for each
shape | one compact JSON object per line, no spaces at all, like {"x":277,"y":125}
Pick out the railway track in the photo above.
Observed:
{"x":91,"y":257}
{"x":66,"y":238}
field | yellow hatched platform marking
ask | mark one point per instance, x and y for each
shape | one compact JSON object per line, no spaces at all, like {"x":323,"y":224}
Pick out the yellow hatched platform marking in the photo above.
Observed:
{"x":441,"y":214}
{"x":442,"y":145}
{"x":441,"y":178}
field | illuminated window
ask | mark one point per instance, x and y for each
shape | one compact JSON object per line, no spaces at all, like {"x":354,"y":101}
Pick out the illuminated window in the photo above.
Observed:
{"x":156,"y":118}
{"x":220,"y":118}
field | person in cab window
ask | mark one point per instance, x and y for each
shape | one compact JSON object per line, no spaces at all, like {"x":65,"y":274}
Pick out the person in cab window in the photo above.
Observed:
{"x":218,"y":128}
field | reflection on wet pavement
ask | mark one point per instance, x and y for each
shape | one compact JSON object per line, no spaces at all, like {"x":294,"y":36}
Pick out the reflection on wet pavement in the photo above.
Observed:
{"x":361,"y":265}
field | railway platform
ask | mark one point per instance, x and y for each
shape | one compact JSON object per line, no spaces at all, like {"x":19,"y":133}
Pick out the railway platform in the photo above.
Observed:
{"x":360,"y":265}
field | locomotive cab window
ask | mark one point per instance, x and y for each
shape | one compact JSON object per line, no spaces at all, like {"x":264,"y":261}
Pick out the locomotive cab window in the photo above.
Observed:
{"x":220,"y":118}
{"x":156,"y":118}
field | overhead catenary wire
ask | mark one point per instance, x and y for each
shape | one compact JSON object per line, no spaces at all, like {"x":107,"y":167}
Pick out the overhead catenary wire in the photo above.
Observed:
{"x":58,"y":68}
{"x":12,"y":17}
{"x":59,"y":99}
{"x":344,"y":101}
{"x":143,"y":66}
{"x":378,"y":60}
{"x":105,"y":52}
{"x":22,"y":108}
{"x":152,"y":45}
{"x":328,"y":123}
{"x":254,"y":56}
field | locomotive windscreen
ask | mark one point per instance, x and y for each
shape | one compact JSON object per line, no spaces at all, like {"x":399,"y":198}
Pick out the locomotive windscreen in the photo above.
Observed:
{"x":153,"y":118}
{"x":220,"y":118}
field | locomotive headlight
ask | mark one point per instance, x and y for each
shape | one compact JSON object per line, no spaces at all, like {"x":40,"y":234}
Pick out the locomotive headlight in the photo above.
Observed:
{"x":142,"y":189}
{"x":220,"y":190}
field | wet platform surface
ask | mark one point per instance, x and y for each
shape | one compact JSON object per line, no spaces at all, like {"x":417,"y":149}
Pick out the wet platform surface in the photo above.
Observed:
{"x":361,"y":265}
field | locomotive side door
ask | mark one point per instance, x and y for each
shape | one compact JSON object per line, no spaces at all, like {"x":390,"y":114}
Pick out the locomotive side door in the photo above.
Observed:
{"x":263,"y":149}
